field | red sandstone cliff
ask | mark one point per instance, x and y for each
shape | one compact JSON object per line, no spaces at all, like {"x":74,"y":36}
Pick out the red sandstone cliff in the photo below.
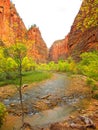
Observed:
{"x":12,"y":29}
{"x":58,"y":50}
{"x":16,"y":24}
{"x":4,"y":19}
{"x":36,"y":45}
{"x":11,"y":25}
{"x":84,"y":31}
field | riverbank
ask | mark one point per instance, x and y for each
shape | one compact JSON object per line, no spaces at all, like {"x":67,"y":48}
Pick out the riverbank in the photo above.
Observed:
{"x":86,"y":116}
{"x":7,"y":91}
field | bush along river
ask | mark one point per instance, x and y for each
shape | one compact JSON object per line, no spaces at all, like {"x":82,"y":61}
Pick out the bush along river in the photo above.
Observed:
{"x":44,"y":104}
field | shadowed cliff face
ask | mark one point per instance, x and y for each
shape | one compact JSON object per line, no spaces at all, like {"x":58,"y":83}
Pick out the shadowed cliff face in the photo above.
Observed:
{"x":58,"y":50}
{"x":12,"y":29}
{"x":84,"y":31}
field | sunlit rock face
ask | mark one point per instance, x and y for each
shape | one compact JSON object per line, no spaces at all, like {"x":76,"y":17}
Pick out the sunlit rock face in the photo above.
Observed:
{"x":12,"y":29}
{"x":11,"y":25}
{"x":84,"y":31}
{"x":58,"y":50}
{"x":36,"y":45}
{"x":4,"y":19}
{"x":16,"y":24}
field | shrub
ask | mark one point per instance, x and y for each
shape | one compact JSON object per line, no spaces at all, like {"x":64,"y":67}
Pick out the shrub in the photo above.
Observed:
{"x":89,"y":65}
{"x":95,"y":96}
{"x":92,"y":84}
{"x":2,"y":113}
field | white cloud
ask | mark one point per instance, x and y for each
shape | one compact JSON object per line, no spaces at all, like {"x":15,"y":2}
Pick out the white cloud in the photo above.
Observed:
{"x":53,"y":17}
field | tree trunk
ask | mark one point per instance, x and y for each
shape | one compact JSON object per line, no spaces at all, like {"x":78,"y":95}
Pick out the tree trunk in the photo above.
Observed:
{"x":20,"y":91}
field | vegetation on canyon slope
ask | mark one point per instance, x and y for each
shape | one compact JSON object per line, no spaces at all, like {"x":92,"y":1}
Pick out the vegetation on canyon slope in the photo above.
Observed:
{"x":87,"y":17}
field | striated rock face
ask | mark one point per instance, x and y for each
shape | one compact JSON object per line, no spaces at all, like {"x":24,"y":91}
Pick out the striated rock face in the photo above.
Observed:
{"x":58,"y":50}
{"x":83,"y":35}
{"x":84,"y":31}
{"x":16,"y":24}
{"x":11,"y":25}
{"x":4,"y":19}
{"x":36,"y":45}
{"x":12,"y":29}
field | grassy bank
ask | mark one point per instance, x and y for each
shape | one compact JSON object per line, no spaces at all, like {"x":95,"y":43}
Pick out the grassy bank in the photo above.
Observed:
{"x":28,"y":77}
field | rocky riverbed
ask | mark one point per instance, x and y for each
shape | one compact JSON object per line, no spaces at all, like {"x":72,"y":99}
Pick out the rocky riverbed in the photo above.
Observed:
{"x":50,"y":102}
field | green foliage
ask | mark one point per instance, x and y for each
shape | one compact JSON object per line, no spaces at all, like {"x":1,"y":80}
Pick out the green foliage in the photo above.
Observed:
{"x":52,"y":66}
{"x":88,"y":16}
{"x":89,"y":65}
{"x":2,"y":60}
{"x":2,"y":113}
{"x":7,"y":64}
{"x":18,"y":51}
{"x":68,"y":65}
{"x":27,"y":77}
{"x":41,"y":66}
{"x":11,"y":64}
{"x":35,"y":76}
{"x":28,"y":64}
{"x":14,"y":63}
{"x":95,"y":96}
{"x":10,"y":59}
{"x":91,"y":82}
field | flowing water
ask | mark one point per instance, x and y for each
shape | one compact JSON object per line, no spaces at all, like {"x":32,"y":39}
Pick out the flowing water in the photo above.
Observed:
{"x":55,"y":88}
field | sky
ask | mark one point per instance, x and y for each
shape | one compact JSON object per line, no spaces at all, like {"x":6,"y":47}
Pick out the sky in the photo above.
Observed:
{"x":53,"y":17}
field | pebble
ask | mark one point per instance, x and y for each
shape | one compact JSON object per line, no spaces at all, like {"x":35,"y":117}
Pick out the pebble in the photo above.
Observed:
{"x":12,"y":105}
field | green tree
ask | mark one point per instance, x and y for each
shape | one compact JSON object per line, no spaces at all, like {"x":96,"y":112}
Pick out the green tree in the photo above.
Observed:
{"x":7,"y":64}
{"x":28,"y":64}
{"x":89,"y":64}
{"x":18,"y":51}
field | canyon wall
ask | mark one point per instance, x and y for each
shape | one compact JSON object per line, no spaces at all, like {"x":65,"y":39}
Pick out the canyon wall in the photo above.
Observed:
{"x":12,"y":29}
{"x":83,"y":36}
{"x":58,"y":50}
{"x":36,"y":45}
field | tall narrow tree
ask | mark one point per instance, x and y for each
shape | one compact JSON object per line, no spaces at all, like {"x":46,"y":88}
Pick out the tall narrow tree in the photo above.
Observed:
{"x":18,"y":52}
